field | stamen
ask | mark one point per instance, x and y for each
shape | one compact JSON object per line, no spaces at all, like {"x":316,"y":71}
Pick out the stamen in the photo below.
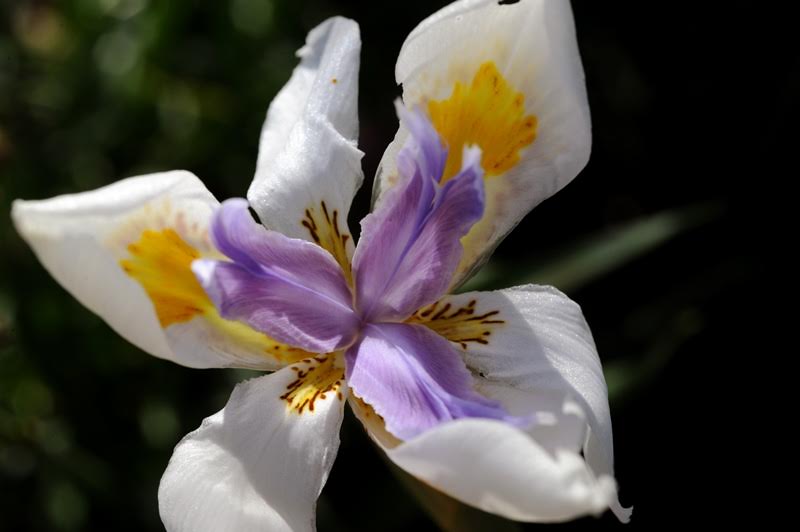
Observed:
{"x":323,"y":226}
{"x":461,"y":325}
{"x":318,"y":377}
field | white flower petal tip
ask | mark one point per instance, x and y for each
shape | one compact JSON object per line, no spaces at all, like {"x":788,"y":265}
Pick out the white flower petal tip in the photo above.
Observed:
{"x":623,"y":514}
{"x":125,"y":252}
{"x":309,"y":165}
{"x":80,"y":239}
{"x":256,"y":465}
{"x":500,"y":469}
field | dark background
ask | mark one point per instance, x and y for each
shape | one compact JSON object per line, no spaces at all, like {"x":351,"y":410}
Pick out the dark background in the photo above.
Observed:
{"x":666,"y":239}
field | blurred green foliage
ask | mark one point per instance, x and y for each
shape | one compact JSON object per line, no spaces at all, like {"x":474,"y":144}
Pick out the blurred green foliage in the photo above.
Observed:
{"x":653,"y":240}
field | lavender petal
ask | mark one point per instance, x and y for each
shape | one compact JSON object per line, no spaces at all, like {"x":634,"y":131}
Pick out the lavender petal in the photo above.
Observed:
{"x":415,"y":379}
{"x":410,"y":246}
{"x":290,"y":289}
{"x":423,"y":149}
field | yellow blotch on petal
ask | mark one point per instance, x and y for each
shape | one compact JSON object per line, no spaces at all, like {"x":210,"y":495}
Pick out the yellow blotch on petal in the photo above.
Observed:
{"x":461,"y":325}
{"x":245,"y":335}
{"x":318,"y":378}
{"x":489,"y":113}
{"x":161,"y":261}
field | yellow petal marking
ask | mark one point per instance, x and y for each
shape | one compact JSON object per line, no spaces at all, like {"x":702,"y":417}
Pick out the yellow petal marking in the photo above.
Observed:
{"x":161,"y":262}
{"x":461,"y":325}
{"x":489,"y":113}
{"x":323,"y":226}
{"x":318,"y":378}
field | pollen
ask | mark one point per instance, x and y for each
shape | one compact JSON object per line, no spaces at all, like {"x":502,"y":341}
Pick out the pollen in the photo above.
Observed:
{"x":462,"y":325}
{"x":489,"y":113}
{"x":318,"y":378}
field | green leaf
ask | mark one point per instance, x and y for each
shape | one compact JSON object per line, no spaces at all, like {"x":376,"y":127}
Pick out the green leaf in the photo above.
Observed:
{"x":579,"y":263}
{"x":625,"y":378}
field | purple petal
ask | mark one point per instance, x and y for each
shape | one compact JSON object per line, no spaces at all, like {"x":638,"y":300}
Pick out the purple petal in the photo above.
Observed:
{"x":414,"y":379}
{"x":423,"y":149}
{"x":290,"y":289}
{"x":410,"y":246}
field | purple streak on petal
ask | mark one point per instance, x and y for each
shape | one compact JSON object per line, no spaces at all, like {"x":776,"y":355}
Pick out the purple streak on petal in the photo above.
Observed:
{"x":410,"y":246}
{"x":290,"y":289}
{"x":424,"y":148}
{"x":415,"y":379}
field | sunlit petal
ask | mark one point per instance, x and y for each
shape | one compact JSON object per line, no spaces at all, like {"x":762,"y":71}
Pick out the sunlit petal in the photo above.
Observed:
{"x":258,"y":464}
{"x":125,"y":251}
{"x":309,"y":166}
{"x":503,"y":470}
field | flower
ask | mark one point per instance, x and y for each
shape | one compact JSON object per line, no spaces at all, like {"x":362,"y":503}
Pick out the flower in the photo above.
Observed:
{"x":497,"y":398}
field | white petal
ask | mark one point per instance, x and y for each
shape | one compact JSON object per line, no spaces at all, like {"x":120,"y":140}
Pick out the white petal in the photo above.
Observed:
{"x":308,"y":153}
{"x":406,"y":62}
{"x":532,"y":43}
{"x":560,"y":421}
{"x":500,"y":469}
{"x":256,"y":465}
{"x":82,"y":240}
{"x":542,"y":346}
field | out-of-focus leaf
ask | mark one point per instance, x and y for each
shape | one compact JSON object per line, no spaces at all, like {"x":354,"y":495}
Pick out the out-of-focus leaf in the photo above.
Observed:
{"x":625,"y":377}
{"x":67,"y":507}
{"x":448,"y":513}
{"x":159,"y":423}
{"x":6,"y":321}
{"x":579,"y":263}
{"x":665,"y":324}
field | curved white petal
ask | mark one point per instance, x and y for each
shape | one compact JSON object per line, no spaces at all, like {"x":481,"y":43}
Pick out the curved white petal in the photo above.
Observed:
{"x":500,"y":469}
{"x":538,"y":345}
{"x":448,"y":11}
{"x":308,"y":152}
{"x":533,"y":47}
{"x":255,"y":465}
{"x":85,"y":239}
{"x":560,"y":423}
